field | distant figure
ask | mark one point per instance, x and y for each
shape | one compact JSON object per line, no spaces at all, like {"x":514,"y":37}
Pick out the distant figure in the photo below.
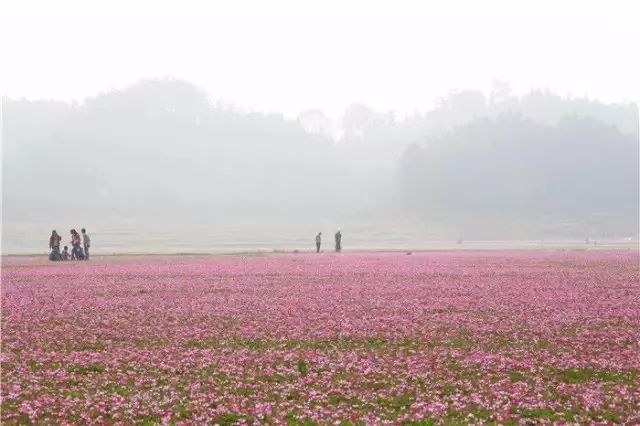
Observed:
{"x":86,"y":241}
{"x":54,"y":245}
{"x":318,"y":241}
{"x":586,"y":241}
{"x":338,"y":238}
{"x":76,"y":251}
{"x":459,"y":240}
{"x":65,"y":253}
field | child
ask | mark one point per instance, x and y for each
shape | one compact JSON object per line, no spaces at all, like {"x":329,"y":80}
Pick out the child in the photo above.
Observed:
{"x":65,"y":253}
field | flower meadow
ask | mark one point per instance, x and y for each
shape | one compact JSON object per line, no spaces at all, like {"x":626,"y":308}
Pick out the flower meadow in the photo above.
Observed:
{"x":352,"y":338}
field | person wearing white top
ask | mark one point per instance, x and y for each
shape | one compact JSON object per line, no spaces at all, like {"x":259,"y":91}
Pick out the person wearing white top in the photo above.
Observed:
{"x":86,"y":241}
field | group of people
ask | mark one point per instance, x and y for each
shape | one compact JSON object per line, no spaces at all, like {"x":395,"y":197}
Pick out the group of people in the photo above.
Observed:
{"x":79,"y":246}
{"x":337,"y":237}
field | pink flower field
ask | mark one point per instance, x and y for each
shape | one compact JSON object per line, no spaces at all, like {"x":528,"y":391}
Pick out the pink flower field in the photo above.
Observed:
{"x":428,"y":338}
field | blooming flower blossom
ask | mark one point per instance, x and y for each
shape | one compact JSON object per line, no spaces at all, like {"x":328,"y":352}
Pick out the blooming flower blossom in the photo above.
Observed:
{"x":364,"y":338}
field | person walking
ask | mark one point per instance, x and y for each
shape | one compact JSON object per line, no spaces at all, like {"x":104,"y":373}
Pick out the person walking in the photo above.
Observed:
{"x":86,"y":241}
{"x":338,"y":238}
{"x":318,"y":241}
{"x":54,"y":245}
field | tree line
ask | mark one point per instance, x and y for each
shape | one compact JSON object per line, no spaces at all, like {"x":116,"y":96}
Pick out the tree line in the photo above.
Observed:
{"x":164,"y":147}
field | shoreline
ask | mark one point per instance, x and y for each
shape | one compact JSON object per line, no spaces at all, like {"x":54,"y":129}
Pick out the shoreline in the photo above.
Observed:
{"x":348,"y":251}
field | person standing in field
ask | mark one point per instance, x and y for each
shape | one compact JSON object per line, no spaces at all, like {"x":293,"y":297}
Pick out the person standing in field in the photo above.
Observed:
{"x":86,"y":241}
{"x":338,"y":238}
{"x":76,"y":251}
{"x":65,"y":253}
{"x":54,"y":245}
{"x":318,"y":241}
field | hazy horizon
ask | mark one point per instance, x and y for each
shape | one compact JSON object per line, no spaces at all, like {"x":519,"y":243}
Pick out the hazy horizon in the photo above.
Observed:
{"x":207,"y":124}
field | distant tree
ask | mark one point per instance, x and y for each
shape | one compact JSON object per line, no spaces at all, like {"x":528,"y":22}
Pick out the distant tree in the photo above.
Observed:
{"x":579,"y":170}
{"x":500,"y":92}
{"x":316,"y":122}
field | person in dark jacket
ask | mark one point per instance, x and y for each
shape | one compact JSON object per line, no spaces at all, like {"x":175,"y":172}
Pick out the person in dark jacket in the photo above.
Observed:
{"x":54,"y":245}
{"x":338,"y":238}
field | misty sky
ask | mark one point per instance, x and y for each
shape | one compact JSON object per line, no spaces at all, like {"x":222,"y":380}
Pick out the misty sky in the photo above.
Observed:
{"x":287,"y":56}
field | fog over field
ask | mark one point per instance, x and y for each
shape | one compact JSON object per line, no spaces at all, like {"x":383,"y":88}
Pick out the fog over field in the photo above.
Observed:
{"x":293,"y":212}
{"x":238,"y":127}
{"x":166,"y":165}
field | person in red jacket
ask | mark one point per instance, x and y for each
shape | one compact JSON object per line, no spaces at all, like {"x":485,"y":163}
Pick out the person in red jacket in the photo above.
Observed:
{"x":76,"y":251}
{"x":54,"y":245}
